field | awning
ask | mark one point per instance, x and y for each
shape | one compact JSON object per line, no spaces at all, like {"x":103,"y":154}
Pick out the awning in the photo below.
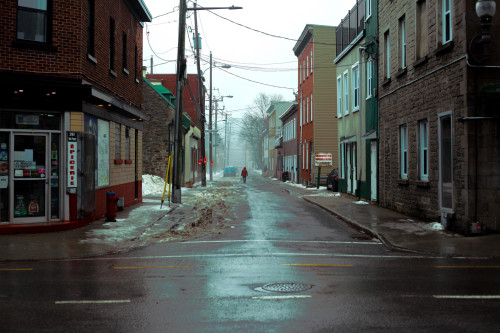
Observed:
{"x":348,"y":139}
{"x":372,"y":135}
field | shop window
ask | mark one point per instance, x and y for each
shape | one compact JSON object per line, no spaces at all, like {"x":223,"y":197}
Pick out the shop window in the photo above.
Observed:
{"x":4,"y":176}
{"x":118,"y":139}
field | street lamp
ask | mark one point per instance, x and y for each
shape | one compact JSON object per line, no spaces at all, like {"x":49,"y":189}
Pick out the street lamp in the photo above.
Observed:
{"x":479,"y":46}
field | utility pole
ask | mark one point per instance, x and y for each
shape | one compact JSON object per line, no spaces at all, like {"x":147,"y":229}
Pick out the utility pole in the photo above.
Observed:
{"x":200,"y":100}
{"x":210,"y":123}
{"x":151,"y":62}
{"x":181,"y":69}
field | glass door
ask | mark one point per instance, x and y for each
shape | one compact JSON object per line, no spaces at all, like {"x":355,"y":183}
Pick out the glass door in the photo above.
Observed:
{"x":30,"y":178}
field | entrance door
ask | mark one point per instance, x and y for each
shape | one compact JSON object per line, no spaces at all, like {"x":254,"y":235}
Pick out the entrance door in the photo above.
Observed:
{"x":373,"y":173}
{"x":445,"y":163}
{"x":348,"y":168}
{"x":30,"y":178}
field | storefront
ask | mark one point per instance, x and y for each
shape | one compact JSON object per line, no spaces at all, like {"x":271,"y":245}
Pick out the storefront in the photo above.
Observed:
{"x":30,"y":167}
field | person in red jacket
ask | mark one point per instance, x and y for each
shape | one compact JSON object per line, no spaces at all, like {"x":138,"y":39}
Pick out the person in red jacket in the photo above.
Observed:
{"x":244,"y":174}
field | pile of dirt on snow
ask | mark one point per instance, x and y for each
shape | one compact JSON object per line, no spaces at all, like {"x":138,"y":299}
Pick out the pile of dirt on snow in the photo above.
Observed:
{"x":210,"y":214}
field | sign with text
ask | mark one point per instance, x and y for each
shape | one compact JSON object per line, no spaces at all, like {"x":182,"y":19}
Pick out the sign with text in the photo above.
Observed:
{"x":72,"y":160}
{"x":323,"y":159}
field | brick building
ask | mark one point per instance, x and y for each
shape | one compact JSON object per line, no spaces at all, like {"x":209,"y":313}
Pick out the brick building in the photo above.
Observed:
{"x":290,"y":123}
{"x":71,"y":94}
{"x":192,"y":148}
{"x":438,"y":113}
{"x":316,"y":98}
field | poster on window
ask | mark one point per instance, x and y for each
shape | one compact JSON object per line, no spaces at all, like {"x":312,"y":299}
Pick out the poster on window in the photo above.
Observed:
{"x":102,"y":153}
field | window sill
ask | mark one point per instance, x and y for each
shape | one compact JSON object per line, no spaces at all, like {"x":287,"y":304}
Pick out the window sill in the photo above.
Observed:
{"x":420,"y":61}
{"x":443,"y":49}
{"x":355,"y":110}
{"x":423,"y":183}
{"x":91,"y":58}
{"x":137,"y":81}
{"x":401,"y":72}
{"x":113,"y":73}
{"x":403,"y":182}
{"x":31,"y":45}
{"x":118,"y":161}
{"x":128,"y":161}
{"x":125,"y":71}
{"x":386,"y":82}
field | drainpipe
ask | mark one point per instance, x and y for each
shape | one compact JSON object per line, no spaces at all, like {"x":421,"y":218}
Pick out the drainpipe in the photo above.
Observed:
{"x":361,"y":50}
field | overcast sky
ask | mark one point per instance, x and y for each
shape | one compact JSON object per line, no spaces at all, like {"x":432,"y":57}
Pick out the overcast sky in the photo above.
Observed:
{"x":253,"y":55}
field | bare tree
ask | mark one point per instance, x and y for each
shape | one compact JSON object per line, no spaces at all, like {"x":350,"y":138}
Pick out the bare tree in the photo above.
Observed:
{"x":254,"y":124}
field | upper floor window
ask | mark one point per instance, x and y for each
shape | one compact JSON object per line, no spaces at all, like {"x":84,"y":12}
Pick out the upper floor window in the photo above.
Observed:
{"x":311,"y":107}
{"x":33,"y":20}
{"x":118,"y":141}
{"x":368,"y":9}
{"x":307,"y":66}
{"x":124,"y":53}
{"x":387,"y":51}
{"x":91,"y":28}
{"x":346,"y":92}
{"x":403,"y":151}
{"x":355,"y":87}
{"x":421,"y":22}
{"x":369,"y":76}
{"x":307,"y":109}
{"x":111,"y":44}
{"x":402,"y":43}
{"x":311,"y":61}
{"x":446,"y":17}
{"x":339,"y":96}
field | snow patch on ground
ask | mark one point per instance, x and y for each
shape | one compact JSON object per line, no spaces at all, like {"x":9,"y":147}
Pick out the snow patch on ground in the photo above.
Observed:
{"x":153,"y":185}
{"x":360,"y":202}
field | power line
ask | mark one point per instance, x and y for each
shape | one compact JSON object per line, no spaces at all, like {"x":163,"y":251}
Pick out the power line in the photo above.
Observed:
{"x":265,"y":84}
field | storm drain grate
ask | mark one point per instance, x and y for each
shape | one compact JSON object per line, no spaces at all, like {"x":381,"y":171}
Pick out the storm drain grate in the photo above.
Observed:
{"x":287,"y":287}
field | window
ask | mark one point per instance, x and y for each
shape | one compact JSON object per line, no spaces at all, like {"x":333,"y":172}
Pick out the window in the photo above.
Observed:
{"x":118,"y":139}
{"x":423,"y":151}
{"x":346,"y":92}
{"x":307,"y":66}
{"x":342,"y":161}
{"x":300,"y":73}
{"x":124,"y":52}
{"x":311,"y":107}
{"x":447,"y":35}
{"x":303,"y":69}
{"x":355,"y":87}
{"x":136,"y":67}
{"x":339,"y":96}
{"x":111,"y":44}
{"x":369,"y":74}
{"x":91,"y":28}
{"x":368,"y":9}
{"x":127,"y":143}
{"x":402,"y":43}
{"x":311,"y":61}
{"x":307,"y":109}
{"x":403,"y":151}
{"x":421,"y":22}
{"x":307,"y":156}
{"x":387,"y":51}
{"x":33,"y":20}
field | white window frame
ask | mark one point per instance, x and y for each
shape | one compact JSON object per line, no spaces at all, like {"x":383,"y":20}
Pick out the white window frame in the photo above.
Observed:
{"x":356,"y":90}
{"x":346,"y":92}
{"x":402,"y":27}
{"x":368,"y":9}
{"x":307,"y":109}
{"x":446,"y":20}
{"x":311,"y":107}
{"x":369,"y":77}
{"x":339,"y":96}
{"x":307,"y":65}
{"x":342,"y":160}
{"x":423,"y":150}
{"x":387,"y":46}
{"x":312,"y":61}
{"x":403,"y":151}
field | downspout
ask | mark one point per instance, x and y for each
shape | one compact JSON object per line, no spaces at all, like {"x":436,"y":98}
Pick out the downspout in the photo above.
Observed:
{"x":361,"y":50}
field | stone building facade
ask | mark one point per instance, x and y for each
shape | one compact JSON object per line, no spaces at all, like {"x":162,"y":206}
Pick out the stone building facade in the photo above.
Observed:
{"x":433,"y":162}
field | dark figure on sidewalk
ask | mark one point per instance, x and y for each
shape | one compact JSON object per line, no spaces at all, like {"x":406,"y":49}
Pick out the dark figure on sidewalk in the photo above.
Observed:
{"x":244,"y":174}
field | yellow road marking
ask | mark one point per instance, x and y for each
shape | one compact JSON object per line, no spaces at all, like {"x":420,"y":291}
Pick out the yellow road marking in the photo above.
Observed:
{"x":94,"y":302}
{"x":143,"y":267}
{"x":467,"y":266}
{"x":327,"y":265}
{"x":16,"y":269}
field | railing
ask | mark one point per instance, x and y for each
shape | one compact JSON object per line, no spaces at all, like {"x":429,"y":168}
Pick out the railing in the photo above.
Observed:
{"x":351,"y":26}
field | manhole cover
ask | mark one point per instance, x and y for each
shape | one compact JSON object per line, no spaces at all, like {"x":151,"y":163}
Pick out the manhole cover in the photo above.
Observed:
{"x":287,"y":287}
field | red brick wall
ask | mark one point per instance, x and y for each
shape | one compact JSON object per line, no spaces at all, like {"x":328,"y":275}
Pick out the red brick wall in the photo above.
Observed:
{"x":123,"y":190}
{"x":69,"y":36}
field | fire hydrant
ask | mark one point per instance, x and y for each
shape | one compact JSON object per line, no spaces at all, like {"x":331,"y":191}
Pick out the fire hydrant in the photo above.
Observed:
{"x":111,"y":201}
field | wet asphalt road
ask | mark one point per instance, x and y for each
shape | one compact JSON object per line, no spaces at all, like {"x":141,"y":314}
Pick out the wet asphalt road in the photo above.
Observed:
{"x":287,"y":266}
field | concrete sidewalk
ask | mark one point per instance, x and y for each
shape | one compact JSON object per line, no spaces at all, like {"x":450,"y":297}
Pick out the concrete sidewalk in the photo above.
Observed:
{"x":399,"y":231}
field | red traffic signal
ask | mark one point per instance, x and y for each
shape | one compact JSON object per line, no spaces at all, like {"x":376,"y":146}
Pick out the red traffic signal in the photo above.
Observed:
{"x":211,"y":162}
{"x":204,"y":160}
{"x":199,"y":162}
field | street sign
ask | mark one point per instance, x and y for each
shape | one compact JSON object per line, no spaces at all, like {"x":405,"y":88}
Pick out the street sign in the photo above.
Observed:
{"x":323,"y":159}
